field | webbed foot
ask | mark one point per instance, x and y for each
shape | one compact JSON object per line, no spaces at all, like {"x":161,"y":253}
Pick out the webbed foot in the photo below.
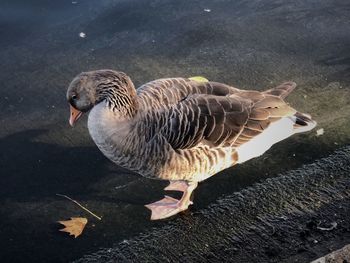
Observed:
{"x":170,"y":206}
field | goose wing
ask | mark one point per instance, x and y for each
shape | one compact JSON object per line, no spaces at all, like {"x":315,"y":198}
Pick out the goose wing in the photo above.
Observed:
{"x":170,"y":91}
{"x":229,"y":120}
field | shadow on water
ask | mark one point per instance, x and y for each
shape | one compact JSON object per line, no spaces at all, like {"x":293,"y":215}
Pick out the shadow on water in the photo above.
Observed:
{"x":32,"y":169}
{"x":32,"y":172}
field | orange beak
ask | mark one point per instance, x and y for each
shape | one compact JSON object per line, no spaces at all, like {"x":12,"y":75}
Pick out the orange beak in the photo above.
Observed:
{"x":74,"y":115}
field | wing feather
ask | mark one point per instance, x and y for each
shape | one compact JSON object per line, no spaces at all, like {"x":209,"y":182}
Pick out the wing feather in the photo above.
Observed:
{"x":168,"y":92}
{"x":282,"y":90}
{"x":189,"y":113}
{"x":259,"y":114}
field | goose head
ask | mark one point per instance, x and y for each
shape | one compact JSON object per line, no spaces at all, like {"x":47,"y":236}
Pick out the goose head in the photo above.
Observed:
{"x":91,"y":88}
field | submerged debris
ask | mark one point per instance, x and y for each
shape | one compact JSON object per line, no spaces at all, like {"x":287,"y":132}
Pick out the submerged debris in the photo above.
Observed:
{"x":320,"y":132}
{"x":333,"y":225}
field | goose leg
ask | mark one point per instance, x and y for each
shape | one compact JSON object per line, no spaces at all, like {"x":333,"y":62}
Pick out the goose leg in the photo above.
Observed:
{"x":170,"y":206}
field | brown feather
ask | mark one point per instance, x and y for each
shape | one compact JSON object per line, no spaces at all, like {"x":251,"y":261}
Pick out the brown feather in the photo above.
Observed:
{"x":259,"y":114}
{"x":270,"y":102}
{"x":281,"y":111}
{"x":282,"y":90}
{"x":251,"y":95}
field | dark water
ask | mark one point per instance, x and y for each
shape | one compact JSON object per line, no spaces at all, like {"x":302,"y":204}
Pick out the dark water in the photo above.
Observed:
{"x":248,"y":44}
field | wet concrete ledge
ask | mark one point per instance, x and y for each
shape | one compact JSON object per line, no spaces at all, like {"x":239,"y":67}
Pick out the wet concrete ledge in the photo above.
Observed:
{"x":298,"y":216}
{"x":341,"y":255}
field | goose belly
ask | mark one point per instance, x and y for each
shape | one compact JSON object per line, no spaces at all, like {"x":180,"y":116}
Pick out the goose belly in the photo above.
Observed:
{"x":276,"y":132}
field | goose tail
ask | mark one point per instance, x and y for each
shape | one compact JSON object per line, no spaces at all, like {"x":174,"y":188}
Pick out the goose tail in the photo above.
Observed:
{"x":282,"y":90}
{"x":303,"y":122}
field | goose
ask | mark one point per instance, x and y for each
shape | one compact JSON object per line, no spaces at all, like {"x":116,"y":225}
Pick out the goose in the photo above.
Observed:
{"x":183,"y":130}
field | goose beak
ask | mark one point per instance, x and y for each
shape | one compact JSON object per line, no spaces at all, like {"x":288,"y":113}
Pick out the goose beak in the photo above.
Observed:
{"x":74,"y":115}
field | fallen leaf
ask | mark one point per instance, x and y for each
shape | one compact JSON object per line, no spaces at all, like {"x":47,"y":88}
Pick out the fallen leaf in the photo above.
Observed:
{"x":74,"y":226}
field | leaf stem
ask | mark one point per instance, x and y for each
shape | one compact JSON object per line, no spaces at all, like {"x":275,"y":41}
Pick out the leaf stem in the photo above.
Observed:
{"x":81,"y":206}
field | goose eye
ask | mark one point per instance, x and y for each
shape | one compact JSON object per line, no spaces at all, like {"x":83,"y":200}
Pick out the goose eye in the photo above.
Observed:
{"x":74,"y":97}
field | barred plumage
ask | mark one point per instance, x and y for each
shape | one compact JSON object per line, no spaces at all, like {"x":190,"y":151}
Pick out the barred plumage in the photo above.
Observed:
{"x":183,"y":129}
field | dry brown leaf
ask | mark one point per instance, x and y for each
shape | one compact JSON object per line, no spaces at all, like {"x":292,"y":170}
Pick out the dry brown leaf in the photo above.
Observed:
{"x":74,"y":226}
